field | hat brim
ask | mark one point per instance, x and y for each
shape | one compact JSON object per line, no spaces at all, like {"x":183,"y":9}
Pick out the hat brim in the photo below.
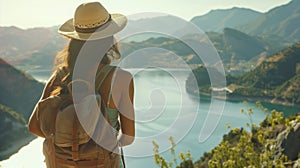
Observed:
{"x":116,"y":24}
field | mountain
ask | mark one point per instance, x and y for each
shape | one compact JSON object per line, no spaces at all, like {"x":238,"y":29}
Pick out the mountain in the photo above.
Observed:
{"x":275,"y":70}
{"x":276,"y":78}
{"x":18,"y":95}
{"x":238,"y":51}
{"x":159,"y":51}
{"x":240,"y":146}
{"x":217,"y":20}
{"x":242,"y":45}
{"x":289,"y":90}
{"x":31,"y":47}
{"x":18,"y":90}
{"x":241,"y":52}
{"x":280,"y":21}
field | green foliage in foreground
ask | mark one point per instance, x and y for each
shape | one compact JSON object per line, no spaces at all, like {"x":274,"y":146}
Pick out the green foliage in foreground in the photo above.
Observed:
{"x":185,"y":158}
{"x":239,"y":147}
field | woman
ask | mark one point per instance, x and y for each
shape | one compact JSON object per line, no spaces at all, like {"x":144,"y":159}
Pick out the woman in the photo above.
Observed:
{"x":91,"y":38}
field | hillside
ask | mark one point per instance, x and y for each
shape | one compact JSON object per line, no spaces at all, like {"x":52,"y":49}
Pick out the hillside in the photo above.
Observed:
{"x":242,"y":45}
{"x":276,"y":78}
{"x":18,"y":95}
{"x":281,"y":21}
{"x":272,"y":143}
{"x":158,"y":51}
{"x":241,"y":52}
{"x":15,"y":87}
{"x":30,"y":48}
{"x":217,"y":20}
{"x":289,"y":91}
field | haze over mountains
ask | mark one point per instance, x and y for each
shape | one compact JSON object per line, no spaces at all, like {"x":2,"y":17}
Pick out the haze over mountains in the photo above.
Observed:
{"x":280,"y":21}
{"x":30,"y":48}
{"x":217,"y":20}
{"x":260,"y":35}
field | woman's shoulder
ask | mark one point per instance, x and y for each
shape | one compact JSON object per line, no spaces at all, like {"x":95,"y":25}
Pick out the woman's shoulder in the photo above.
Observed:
{"x":122,"y":73}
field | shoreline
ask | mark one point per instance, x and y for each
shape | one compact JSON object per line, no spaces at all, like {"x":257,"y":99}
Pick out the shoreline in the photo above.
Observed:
{"x":261,"y":99}
{"x":16,"y":146}
{"x":248,"y":98}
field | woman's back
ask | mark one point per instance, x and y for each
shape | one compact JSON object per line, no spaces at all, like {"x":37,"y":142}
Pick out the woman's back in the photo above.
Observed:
{"x":92,"y":41}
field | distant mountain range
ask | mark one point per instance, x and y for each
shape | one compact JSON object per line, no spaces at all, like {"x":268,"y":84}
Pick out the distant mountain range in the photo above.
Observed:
{"x":276,"y":79}
{"x":30,"y":48}
{"x":217,"y":20}
{"x":18,"y":95}
{"x":282,"y":21}
{"x":239,"y":52}
{"x":243,"y":37}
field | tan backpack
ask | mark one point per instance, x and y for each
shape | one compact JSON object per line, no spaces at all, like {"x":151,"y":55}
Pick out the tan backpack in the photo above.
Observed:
{"x":72,"y":143}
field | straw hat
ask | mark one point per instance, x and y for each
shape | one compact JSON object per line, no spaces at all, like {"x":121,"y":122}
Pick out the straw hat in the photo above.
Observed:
{"x":91,"y":22}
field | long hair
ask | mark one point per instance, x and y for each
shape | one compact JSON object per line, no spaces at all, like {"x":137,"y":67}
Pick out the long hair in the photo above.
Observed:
{"x":67,"y":58}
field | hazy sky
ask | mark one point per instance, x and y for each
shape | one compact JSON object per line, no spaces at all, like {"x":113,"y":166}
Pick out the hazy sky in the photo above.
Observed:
{"x":45,"y":13}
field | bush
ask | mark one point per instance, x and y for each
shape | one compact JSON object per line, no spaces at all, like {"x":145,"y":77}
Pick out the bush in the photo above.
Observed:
{"x":240,"y":148}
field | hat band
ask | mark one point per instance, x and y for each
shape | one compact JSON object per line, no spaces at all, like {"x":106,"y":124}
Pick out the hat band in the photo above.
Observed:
{"x":93,"y":29}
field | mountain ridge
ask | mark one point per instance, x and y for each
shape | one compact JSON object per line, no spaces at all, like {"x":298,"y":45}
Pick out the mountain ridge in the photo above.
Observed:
{"x":217,"y":20}
{"x":281,"y":20}
{"x":18,"y":95}
{"x":20,"y":47}
{"x":276,"y":78}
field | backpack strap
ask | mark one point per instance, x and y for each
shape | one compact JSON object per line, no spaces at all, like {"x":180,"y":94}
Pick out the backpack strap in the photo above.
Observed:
{"x":108,"y":101}
{"x":75,"y":144}
{"x":102,"y":74}
{"x":107,"y":105}
{"x":122,"y":157}
{"x":51,"y":141}
{"x":104,"y":71}
{"x":110,"y":90}
{"x":60,"y":74}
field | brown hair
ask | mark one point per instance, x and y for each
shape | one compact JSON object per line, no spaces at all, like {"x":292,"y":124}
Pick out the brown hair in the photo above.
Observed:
{"x":67,"y":57}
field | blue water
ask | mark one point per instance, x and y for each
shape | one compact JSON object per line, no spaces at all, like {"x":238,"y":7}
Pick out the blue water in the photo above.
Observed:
{"x":163,"y":109}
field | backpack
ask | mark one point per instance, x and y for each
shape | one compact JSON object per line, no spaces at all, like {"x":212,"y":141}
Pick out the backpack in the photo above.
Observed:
{"x":71,"y":142}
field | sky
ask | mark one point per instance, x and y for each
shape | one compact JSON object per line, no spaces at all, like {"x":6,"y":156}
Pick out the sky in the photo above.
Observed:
{"x":47,"y":13}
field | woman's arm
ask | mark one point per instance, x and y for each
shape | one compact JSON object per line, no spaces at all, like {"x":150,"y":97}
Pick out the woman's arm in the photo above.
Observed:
{"x":126,"y":108}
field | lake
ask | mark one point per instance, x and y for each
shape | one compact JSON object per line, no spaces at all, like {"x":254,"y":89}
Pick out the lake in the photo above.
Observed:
{"x":163,"y":109}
